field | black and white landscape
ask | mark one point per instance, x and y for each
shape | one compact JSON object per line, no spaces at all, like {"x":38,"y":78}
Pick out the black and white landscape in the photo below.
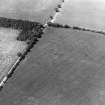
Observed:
{"x":60,"y":45}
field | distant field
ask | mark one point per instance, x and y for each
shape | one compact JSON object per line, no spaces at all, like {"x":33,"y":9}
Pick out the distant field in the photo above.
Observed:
{"x":84,"y":13}
{"x":65,"y":68}
{"x":33,"y":10}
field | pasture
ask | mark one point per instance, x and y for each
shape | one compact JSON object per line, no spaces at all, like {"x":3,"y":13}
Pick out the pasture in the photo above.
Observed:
{"x":66,"y":67}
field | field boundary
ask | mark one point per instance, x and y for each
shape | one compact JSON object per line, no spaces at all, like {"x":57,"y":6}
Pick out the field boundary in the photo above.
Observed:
{"x":57,"y":25}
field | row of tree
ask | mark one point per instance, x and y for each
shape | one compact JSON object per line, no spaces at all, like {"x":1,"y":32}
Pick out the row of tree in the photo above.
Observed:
{"x":57,"y":25}
{"x":18,"y":24}
{"x":28,"y":35}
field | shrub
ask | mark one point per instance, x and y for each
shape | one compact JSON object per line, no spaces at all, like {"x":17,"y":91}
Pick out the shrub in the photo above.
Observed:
{"x":51,"y":17}
{"x":19,"y":54}
{"x":66,"y":26}
{"x":56,"y":9}
{"x":75,"y":27}
{"x":55,"y":25}
{"x":59,"y":6}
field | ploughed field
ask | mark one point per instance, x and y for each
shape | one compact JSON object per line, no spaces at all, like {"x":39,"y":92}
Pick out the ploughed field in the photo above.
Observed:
{"x":83,"y":13}
{"x":66,"y":67}
{"x":9,"y":47}
{"x":16,"y":37}
{"x":33,"y":10}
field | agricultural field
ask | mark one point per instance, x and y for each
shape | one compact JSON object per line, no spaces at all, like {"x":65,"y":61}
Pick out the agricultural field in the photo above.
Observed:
{"x":16,"y":37}
{"x":66,"y":67}
{"x":33,"y":10}
{"x":9,"y":47}
{"x":83,"y":13}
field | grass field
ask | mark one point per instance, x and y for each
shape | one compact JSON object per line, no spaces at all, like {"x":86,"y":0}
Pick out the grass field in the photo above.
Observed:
{"x":65,"y":68}
{"x":84,"y":13}
{"x":33,"y":10}
{"x":9,"y":47}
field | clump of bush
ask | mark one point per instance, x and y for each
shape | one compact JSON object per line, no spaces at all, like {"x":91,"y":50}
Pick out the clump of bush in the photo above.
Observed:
{"x":59,"y":6}
{"x":57,"y":10}
{"x":18,"y":24}
{"x":57,"y":25}
{"x":77,"y":28}
{"x":101,"y":32}
{"x":66,"y":26}
{"x":30,"y":31}
{"x":19,"y":54}
{"x":25,"y":35}
{"x":84,"y":29}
